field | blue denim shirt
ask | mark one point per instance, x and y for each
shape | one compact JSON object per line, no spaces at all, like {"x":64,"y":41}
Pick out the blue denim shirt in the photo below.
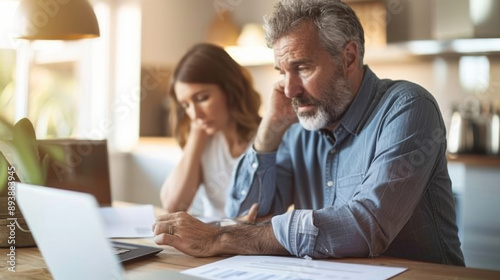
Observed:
{"x":377,"y":184}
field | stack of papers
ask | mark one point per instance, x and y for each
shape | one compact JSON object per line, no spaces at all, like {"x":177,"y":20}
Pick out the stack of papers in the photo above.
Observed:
{"x":274,"y":268}
{"x":128,"y":222}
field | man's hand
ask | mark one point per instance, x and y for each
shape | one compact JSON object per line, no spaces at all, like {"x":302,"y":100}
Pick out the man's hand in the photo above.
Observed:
{"x":187,"y":234}
{"x":252,"y":217}
{"x":280,"y":106}
{"x":278,"y":118}
{"x":192,"y":237}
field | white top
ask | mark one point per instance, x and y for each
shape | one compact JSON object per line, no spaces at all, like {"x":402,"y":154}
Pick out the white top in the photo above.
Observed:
{"x":217,"y":164}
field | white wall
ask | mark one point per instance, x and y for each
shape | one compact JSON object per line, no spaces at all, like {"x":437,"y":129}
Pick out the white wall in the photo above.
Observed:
{"x":251,"y":10}
{"x":169,"y":27}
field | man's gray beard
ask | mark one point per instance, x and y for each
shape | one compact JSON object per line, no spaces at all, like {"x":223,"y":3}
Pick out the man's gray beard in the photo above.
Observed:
{"x":330,"y":108}
{"x":315,"y":122}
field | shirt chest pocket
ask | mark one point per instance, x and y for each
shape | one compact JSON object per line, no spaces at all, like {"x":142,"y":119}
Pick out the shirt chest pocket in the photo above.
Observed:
{"x":347,"y":187}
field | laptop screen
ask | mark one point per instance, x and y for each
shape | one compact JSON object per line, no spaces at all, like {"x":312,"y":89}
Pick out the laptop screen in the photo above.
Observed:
{"x":69,"y":233}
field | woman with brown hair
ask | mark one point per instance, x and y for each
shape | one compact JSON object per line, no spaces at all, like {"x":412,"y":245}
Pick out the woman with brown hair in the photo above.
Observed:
{"x":214,"y":117}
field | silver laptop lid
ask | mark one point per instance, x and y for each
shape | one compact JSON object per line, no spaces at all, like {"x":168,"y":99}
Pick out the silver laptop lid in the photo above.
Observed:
{"x":68,"y":230}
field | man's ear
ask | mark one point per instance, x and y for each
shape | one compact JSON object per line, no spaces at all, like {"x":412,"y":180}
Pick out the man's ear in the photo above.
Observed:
{"x":350,"y":53}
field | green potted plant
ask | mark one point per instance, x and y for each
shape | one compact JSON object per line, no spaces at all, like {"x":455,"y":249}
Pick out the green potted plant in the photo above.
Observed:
{"x":20,"y":160}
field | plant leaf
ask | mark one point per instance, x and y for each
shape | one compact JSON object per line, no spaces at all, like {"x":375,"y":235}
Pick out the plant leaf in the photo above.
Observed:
{"x":23,"y":135}
{"x":5,"y":128}
{"x":3,"y":172}
{"x":28,"y":169}
{"x":56,"y":153}
{"x":22,"y":152}
{"x":45,"y":167}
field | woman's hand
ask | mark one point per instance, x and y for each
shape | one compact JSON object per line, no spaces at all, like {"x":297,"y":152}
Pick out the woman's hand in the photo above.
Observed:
{"x":198,"y":134}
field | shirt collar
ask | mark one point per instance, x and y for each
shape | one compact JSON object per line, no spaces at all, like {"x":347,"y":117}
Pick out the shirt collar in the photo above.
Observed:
{"x":362,"y":105}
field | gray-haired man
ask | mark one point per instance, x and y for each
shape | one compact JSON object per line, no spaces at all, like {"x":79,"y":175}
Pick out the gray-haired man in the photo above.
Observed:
{"x":365,"y":169}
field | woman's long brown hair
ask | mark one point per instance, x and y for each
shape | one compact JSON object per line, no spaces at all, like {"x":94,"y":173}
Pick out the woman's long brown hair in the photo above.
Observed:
{"x":209,"y":64}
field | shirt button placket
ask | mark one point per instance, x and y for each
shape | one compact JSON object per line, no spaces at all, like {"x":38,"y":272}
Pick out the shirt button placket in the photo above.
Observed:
{"x":332,"y":153}
{"x":330,"y":177}
{"x":328,"y":190}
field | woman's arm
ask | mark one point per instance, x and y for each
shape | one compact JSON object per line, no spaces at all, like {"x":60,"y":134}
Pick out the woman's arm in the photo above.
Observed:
{"x":181,"y":185}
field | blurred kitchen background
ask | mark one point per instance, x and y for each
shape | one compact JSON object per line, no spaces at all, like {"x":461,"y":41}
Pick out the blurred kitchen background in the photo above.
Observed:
{"x":113,"y":87}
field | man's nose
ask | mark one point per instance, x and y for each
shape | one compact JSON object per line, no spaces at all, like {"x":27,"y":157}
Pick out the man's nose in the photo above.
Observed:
{"x":293,"y":86}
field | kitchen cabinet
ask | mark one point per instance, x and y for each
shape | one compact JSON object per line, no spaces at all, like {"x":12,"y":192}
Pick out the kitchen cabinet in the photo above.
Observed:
{"x":476,"y":185}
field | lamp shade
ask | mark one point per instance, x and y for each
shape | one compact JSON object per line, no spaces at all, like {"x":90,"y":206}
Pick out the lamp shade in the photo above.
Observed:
{"x":56,"y":20}
{"x":251,"y":48}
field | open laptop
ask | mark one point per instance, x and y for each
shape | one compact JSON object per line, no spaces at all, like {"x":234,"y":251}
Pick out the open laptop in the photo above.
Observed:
{"x":68,"y":230}
{"x":85,"y":167}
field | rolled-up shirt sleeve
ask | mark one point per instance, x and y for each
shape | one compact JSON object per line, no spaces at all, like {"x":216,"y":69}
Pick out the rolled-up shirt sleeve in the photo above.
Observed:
{"x":296,"y":232}
{"x":253,"y":171}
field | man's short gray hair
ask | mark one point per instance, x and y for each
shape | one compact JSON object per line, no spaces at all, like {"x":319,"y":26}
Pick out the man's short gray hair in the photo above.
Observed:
{"x":335,"y":21}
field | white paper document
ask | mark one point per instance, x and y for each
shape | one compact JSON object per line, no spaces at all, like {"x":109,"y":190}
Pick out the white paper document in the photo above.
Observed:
{"x":274,"y":268}
{"x":128,"y":222}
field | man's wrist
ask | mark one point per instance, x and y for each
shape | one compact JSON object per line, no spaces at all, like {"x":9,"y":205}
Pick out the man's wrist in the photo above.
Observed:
{"x":269,"y":136}
{"x":223,"y":244}
{"x":248,"y":239}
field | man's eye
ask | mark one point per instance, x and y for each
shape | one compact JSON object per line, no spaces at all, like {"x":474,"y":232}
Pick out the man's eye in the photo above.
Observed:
{"x":302,"y":69}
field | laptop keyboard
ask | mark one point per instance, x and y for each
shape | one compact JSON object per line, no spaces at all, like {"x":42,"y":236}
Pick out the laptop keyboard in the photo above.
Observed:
{"x":119,"y":251}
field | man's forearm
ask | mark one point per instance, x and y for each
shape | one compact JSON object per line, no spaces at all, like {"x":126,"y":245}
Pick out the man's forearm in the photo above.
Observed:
{"x":269,"y":135}
{"x":249,"y":239}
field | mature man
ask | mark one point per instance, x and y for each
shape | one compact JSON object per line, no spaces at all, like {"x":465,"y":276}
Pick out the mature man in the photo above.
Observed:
{"x":365,"y":169}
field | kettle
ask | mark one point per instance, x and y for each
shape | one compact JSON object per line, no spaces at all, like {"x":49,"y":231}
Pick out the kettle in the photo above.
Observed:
{"x":461,"y":134}
{"x":469,"y":130}
{"x":494,"y":131}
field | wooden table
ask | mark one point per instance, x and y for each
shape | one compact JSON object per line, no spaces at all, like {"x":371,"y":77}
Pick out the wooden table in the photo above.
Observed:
{"x":30,"y":265}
